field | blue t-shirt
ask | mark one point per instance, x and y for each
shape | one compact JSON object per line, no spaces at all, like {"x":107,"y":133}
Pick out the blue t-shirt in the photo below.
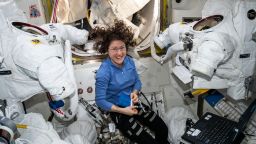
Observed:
{"x":113,"y":82}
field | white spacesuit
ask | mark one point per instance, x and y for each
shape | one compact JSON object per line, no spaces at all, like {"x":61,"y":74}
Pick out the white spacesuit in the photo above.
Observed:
{"x":34,"y":60}
{"x":212,"y":48}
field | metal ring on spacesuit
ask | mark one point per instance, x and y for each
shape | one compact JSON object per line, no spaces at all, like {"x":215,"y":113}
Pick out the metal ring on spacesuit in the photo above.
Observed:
{"x":208,"y":22}
{"x":29,"y":28}
{"x":8,"y":130}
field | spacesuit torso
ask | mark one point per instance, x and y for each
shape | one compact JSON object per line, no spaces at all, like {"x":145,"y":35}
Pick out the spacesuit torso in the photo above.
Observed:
{"x":242,"y":15}
{"x":26,"y":52}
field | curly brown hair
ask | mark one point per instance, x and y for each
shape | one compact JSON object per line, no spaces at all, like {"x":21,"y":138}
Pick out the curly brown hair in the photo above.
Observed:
{"x":104,"y":36}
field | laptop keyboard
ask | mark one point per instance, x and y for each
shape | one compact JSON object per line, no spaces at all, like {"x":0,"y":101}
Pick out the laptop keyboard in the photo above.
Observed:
{"x":227,"y":110}
{"x":212,"y":129}
{"x":219,"y":131}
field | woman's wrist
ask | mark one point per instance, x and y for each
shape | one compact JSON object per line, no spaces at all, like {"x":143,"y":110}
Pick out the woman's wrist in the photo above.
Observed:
{"x":115,"y":108}
{"x":135,"y":91}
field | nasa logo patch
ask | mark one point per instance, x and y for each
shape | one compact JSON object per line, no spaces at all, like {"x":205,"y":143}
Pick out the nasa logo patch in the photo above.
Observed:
{"x":35,"y":41}
{"x":251,"y":14}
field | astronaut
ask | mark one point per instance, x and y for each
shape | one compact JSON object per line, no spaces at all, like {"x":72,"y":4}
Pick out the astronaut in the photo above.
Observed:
{"x":38,"y":59}
{"x":211,"y":47}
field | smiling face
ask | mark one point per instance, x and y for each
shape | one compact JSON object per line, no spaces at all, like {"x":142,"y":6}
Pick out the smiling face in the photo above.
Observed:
{"x":117,"y":52}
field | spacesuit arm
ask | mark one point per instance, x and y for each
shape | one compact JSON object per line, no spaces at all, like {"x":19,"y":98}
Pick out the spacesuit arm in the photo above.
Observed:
{"x":168,"y":36}
{"x":67,"y":32}
{"x":74,"y":35}
{"x":171,"y":35}
{"x":53,"y":76}
{"x":214,"y":49}
{"x":207,"y":59}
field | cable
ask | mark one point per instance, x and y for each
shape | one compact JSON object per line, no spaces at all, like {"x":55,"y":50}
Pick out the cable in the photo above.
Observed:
{"x":141,"y":93}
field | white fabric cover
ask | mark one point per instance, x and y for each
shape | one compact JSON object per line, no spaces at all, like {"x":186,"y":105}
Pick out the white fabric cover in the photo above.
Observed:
{"x":176,"y":121}
{"x":77,"y":139}
{"x":126,"y":9}
{"x":39,"y":131}
{"x":80,"y":132}
{"x":68,"y":11}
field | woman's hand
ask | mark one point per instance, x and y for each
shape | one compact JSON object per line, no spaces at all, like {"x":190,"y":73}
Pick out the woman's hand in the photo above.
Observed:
{"x":130,"y":110}
{"x":134,"y":97}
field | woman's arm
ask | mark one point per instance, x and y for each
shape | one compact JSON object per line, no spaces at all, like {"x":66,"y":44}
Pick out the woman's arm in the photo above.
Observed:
{"x":130,"y":110}
{"x":101,"y":86}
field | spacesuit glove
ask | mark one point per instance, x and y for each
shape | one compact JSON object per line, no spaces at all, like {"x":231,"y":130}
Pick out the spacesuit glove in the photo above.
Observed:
{"x":56,"y":108}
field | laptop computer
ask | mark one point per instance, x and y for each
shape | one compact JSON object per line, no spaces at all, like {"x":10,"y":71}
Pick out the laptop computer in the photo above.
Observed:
{"x":214,"y":129}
